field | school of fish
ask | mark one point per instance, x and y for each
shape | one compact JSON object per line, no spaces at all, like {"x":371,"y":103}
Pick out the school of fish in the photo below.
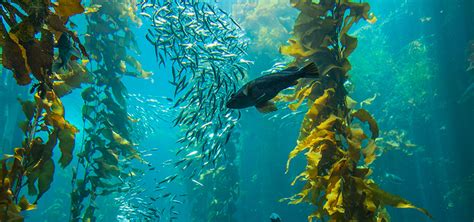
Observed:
{"x":204,"y":47}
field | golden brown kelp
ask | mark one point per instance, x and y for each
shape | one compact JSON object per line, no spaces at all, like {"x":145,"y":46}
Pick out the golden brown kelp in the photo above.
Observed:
{"x":29,"y":30}
{"x":107,"y":148}
{"x":266,"y":23}
{"x":338,"y":149}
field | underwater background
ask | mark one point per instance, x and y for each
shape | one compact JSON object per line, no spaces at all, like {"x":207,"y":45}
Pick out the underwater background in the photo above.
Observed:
{"x":413,"y":70}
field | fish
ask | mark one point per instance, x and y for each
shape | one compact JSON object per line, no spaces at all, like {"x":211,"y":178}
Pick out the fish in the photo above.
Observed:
{"x":66,"y":50}
{"x":166,"y":195}
{"x":206,"y":50}
{"x":260,"y":91}
{"x":177,"y":201}
{"x":275,"y":217}
{"x":197,"y":182}
{"x":168,"y":179}
{"x":467,"y":94}
{"x":393,"y":178}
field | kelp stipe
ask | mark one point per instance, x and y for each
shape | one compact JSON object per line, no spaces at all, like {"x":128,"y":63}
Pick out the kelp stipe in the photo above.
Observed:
{"x":28,"y":34}
{"x":470,"y":57}
{"x":103,"y":162}
{"x":338,"y":150}
{"x":215,"y":193}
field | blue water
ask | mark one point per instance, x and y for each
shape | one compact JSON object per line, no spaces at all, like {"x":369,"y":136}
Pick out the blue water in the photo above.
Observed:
{"x":414,"y":61}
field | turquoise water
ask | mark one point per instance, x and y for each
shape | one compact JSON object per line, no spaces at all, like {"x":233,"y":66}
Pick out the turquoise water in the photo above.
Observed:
{"x":410,"y":70}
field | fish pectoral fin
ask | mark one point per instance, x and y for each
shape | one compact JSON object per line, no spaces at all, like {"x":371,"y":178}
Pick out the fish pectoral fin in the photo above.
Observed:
{"x":266,"y":107}
{"x":246,"y":90}
{"x":260,"y":99}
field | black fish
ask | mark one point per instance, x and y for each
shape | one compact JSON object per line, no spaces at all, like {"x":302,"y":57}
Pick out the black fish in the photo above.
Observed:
{"x":66,"y":50}
{"x":260,"y":91}
{"x":275,"y":217}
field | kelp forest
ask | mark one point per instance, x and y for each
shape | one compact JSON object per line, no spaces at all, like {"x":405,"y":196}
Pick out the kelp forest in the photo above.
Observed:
{"x":175,"y":110}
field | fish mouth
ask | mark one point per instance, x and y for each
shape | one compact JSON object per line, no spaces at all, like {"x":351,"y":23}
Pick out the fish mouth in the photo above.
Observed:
{"x":230,"y":105}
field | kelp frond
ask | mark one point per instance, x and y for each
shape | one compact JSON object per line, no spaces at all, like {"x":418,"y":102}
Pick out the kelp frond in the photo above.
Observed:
{"x":29,"y":31}
{"x":333,"y":138}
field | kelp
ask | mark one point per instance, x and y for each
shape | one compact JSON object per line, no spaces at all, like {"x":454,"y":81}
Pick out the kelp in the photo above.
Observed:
{"x":397,"y":140}
{"x":33,"y":161}
{"x":411,"y":70}
{"x":214,"y":194}
{"x":470,"y":57}
{"x":334,"y":137}
{"x":23,"y":52}
{"x":266,"y":23}
{"x":28,"y":31}
{"x":103,"y":162}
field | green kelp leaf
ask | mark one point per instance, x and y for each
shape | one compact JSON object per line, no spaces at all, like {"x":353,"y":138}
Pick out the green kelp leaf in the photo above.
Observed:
{"x":71,"y":78}
{"x":113,"y":106}
{"x":357,"y":136}
{"x":140,"y":72}
{"x":319,"y":135}
{"x":325,"y":60}
{"x":364,"y":116}
{"x":56,"y":25}
{"x":362,"y":10}
{"x":67,"y":8}
{"x":88,"y":94}
{"x":349,"y":43}
{"x":295,"y":49}
{"x":41,"y":152}
{"x":351,"y":103}
{"x":39,"y":59}
{"x":110,"y":156}
{"x":89,"y":214}
{"x":314,"y":33}
{"x":357,"y":12}
{"x":319,"y":104}
{"x":334,"y":203}
{"x":25,"y":204}
{"x":368,"y":101}
{"x":119,"y":91}
{"x":14,"y":58}
{"x":32,"y":178}
{"x":61,"y":88}
{"x":67,"y":138}
{"x":45,"y":178}
{"x":383,"y":216}
{"x":28,"y":108}
{"x":385,"y":198}
{"x":25,"y":31}
{"x":87,"y":112}
{"x":369,"y":152}
{"x":126,"y":146}
{"x":106,"y":169}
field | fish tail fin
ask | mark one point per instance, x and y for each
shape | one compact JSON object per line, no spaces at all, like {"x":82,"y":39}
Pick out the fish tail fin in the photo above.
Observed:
{"x":309,"y":71}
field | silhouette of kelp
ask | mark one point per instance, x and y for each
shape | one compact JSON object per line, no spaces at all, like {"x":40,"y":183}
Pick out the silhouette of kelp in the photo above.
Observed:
{"x":107,"y":150}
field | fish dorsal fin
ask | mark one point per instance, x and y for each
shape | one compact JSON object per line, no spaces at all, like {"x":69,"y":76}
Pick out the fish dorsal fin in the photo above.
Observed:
{"x":291,"y":68}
